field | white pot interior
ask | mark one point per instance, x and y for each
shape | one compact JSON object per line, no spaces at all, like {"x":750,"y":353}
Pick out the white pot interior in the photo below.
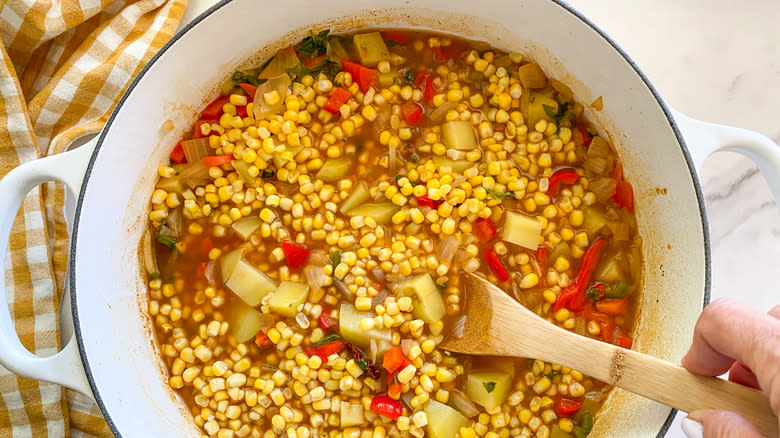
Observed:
{"x":110,"y":293}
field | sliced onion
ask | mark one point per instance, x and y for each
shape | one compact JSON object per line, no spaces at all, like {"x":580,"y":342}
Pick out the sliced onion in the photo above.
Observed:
{"x":284,"y":60}
{"x":406,"y":346}
{"x":459,"y":401}
{"x":280,"y":84}
{"x":287,"y":189}
{"x":372,"y":350}
{"x":175,"y":221}
{"x":318,"y":257}
{"x":438,"y":114}
{"x":211,"y":273}
{"x":619,"y":230}
{"x":379,"y":298}
{"x":315,"y":277}
{"x":392,"y":159}
{"x":597,"y":165}
{"x":598,"y":148}
{"x":446,"y":250}
{"x":603,"y":188}
{"x":196,"y":149}
{"x":147,"y":249}
{"x":456,"y":154}
{"x":459,"y":327}
{"x":345,"y":292}
{"x":193,"y":174}
{"x":378,"y":273}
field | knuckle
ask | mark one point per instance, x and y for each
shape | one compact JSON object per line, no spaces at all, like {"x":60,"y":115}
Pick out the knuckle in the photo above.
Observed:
{"x":775,"y":311}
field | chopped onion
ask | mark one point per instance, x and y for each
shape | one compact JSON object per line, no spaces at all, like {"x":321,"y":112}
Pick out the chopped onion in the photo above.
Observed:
{"x":406,"y":346}
{"x":619,"y":230}
{"x":597,"y":165}
{"x":280,"y":84}
{"x":345,"y":292}
{"x":287,"y":189}
{"x":150,"y":260}
{"x":193,"y":174}
{"x":459,"y":327}
{"x":315,"y":277}
{"x":456,"y":154}
{"x":392,"y":159}
{"x":379,"y":298}
{"x":447,"y":249}
{"x":372,"y":350}
{"x":378,"y":273}
{"x":196,"y":149}
{"x":459,"y":401}
{"x":318,"y":257}
{"x":603,"y":188}
{"x":598,"y":148}
{"x":211,"y":273}
{"x":174,"y":222}
{"x":284,"y":60}
{"x":438,"y":114}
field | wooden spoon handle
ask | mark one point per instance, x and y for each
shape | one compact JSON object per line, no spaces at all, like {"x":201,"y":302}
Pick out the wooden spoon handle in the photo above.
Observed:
{"x":662,"y":381}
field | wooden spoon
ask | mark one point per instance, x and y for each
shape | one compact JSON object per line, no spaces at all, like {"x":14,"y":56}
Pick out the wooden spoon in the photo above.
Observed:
{"x":497,"y":325}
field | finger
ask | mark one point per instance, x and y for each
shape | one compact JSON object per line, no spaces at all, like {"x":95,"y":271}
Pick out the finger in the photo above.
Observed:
{"x":729,"y":330}
{"x":722,"y":424}
{"x":741,"y":374}
{"x":775,"y":312}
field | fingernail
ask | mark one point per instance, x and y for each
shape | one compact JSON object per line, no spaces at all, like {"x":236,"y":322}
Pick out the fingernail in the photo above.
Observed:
{"x":691,"y":428}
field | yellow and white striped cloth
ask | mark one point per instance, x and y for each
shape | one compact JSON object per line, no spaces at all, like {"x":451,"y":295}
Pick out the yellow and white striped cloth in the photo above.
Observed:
{"x":63,"y":66}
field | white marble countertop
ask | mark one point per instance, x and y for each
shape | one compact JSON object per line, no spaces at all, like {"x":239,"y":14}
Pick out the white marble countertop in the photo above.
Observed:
{"x":719,"y":61}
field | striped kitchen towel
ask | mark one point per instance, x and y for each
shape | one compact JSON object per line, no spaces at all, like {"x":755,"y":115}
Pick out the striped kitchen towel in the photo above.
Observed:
{"x":63,"y":66}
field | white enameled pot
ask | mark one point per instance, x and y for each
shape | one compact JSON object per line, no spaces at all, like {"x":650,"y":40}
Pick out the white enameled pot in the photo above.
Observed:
{"x":112,"y":357}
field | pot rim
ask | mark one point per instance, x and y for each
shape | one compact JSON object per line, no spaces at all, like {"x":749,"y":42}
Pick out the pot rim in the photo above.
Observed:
{"x":175,"y":38}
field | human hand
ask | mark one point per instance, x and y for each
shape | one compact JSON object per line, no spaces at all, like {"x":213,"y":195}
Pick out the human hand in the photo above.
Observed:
{"x":731,"y":336}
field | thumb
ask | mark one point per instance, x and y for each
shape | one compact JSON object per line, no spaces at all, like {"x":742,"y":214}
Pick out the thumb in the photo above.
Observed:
{"x":721,"y":424}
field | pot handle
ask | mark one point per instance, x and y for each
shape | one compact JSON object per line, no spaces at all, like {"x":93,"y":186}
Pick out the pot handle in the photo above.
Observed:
{"x":65,"y":367}
{"x":703,"y":139}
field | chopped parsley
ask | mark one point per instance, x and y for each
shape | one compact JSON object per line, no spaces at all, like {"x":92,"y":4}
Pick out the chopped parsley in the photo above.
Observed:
{"x":362,"y":363}
{"x":248,"y":77}
{"x":409,"y":77}
{"x":415,"y":159}
{"x":154,"y":275}
{"x":270,"y":366}
{"x":327,"y":340}
{"x":168,"y":241}
{"x":489,"y":386}
{"x":442,"y":287}
{"x":268,"y":174}
{"x":314,"y":45}
{"x":326,"y":66}
{"x":499,"y":195}
{"x":335,"y":258}
{"x":562,"y":113}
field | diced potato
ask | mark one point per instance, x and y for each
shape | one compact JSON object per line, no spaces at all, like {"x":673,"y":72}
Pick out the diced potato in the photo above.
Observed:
{"x":228,"y":262}
{"x":531,"y":76}
{"x":282,"y":158}
{"x":349,"y":327}
{"x":242,"y":168}
{"x":593,"y":220}
{"x":562,"y":249}
{"x":173,"y":184}
{"x":495,"y":363}
{"x":360,"y":195}
{"x":336,"y":49}
{"x":488,"y":388}
{"x":609,"y":271}
{"x":288,"y":296}
{"x":521,"y":230}
{"x":351,"y":414}
{"x":564,"y":92}
{"x":458,"y":134}
{"x":334,"y":169}
{"x":428,"y":303}
{"x":444,"y":421}
{"x":382,"y":212}
{"x":246,"y":226}
{"x":245,"y":322}
{"x":371,"y":48}
{"x":536,"y":108}
{"x":249,"y":283}
{"x":457,"y":166}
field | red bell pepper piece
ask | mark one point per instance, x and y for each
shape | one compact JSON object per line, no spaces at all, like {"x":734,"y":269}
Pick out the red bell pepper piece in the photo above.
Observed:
{"x":625,"y":341}
{"x":339,"y":97}
{"x":394,"y":390}
{"x":218,"y":160}
{"x":624,"y":192}
{"x":202,"y":269}
{"x":196,"y":132}
{"x":295,"y":255}
{"x":484,"y":229}
{"x":250,"y":91}
{"x":389,"y":407}
{"x":326,"y":321}
{"x":563,"y":176}
{"x":241,"y":111}
{"x":206,"y":245}
{"x":412,"y":113}
{"x":325,"y":351}
{"x":260,"y":340}
{"x":573,"y":295}
{"x":495,"y":265}
{"x":606,"y":322}
{"x":364,"y":76}
{"x":424,"y":80}
{"x":177,"y":155}
{"x":394,"y":360}
{"x":395,"y":35}
{"x":541,"y":256}
{"x":424,"y":201}
{"x":613,"y":307}
{"x":567,"y":406}
{"x":214,"y":109}
{"x":586,"y":138}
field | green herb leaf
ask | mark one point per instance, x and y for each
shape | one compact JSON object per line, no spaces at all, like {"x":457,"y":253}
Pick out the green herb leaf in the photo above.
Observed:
{"x":442,"y":287}
{"x":168,"y":241}
{"x":248,"y":77}
{"x":550,"y":111}
{"x":268,"y":174}
{"x":269,"y":366}
{"x":498,"y":195}
{"x":326,"y":66}
{"x":314,"y":45}
{"x":592,"y":294}
{"x":154,"y":275}
{"x":362,"y":363}
{"x":618,"y":291}
{"x":392,"y":43}
{"x":489,"y":386}
{"x":335,"y":258}
{"x":327,"y":340}
{"x":415,"y":159}
{"x":409,"y":77}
